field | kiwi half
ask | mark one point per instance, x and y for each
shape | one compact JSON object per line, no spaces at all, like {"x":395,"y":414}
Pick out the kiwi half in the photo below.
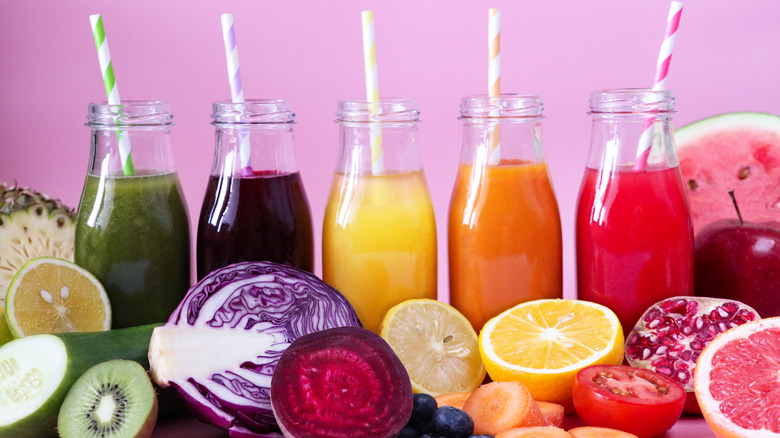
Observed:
{"x":113,"y":399}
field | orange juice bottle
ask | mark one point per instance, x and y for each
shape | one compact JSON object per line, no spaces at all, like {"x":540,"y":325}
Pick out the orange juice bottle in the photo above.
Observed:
{"x":379,"y":233}
{"x":504,"y":226}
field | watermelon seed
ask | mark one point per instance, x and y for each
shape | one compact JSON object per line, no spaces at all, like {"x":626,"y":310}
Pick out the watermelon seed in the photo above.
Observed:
{"x":692,"y":184}
{"x":744,"y":172}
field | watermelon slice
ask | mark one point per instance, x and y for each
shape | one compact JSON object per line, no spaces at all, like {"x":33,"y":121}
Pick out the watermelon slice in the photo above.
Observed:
{"x":739,"y":151}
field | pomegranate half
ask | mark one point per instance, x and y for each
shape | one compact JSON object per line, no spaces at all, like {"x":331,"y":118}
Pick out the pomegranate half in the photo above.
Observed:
{"x":672,"y":333}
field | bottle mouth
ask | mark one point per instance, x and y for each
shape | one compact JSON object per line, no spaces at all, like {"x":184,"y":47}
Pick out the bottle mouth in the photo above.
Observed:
{"x":506,"y":106}
{"x":253,"y":111}
{"x":130,"y":113}
{"x":387,"y":110}
{"x":631,"y":101}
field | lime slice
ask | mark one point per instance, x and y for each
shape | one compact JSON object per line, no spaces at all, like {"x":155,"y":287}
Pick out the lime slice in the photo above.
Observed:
{"x":436,"y":344}
{"x":50,"y":295}
{"x":5,"y":332}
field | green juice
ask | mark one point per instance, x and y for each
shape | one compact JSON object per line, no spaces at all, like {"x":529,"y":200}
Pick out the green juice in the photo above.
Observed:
{"x":133,"y":235}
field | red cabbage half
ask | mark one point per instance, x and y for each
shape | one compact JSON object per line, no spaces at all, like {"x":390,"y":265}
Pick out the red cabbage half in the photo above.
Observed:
{"x":220,"y":347}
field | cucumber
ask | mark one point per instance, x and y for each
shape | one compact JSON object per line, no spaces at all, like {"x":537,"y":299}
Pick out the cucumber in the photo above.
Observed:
{"x":37,"y":371}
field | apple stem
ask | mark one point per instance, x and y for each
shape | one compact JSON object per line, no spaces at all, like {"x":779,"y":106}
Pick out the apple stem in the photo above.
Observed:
{"x":736,"y":207}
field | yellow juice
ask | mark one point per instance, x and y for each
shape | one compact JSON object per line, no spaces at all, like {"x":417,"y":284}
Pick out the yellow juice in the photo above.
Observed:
{"x":379,"y":242}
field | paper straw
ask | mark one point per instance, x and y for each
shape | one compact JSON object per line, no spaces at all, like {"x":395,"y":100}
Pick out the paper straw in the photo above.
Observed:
{"x":494,"y":77}
{"x":236,"y":88}
{"x":112,"y":90}
{"x":372,"y":88}
{"x":661,"y":73}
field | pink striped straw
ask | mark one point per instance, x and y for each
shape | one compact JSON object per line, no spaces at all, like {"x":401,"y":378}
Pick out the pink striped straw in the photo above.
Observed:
{"x":661,"y":73}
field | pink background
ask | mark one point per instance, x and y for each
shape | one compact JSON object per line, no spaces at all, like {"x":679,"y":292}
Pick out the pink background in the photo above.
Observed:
{"x":310,"y":52}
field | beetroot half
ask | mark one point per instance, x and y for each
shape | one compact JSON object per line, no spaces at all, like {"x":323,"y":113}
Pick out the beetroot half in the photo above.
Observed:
{"x":341,"y":382}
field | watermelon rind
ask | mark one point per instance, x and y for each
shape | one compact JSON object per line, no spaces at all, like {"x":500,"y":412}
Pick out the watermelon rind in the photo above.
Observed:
{"x":688,"y":134}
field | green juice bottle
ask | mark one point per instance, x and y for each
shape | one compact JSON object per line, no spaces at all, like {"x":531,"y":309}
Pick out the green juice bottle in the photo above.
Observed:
{"x":132,"y":231}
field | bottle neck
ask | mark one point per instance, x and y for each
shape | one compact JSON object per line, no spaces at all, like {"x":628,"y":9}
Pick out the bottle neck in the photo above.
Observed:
{"x":254,"y":149}
{"x":495,"y":141}
{"x":150,"y":149}
{"x":617,"y":140}
{"x":396,"y":141}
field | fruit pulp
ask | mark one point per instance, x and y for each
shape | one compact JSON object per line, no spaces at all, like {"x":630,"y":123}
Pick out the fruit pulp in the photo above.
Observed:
{"x":504,"y":239}
{"x":379,"y":242}
{"x":132,"y":233}
{"x":263,"y":217}
{"x":634,"y":239}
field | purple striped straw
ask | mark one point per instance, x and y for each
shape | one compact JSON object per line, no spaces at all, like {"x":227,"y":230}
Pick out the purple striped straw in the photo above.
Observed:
{"x":236,"y":89}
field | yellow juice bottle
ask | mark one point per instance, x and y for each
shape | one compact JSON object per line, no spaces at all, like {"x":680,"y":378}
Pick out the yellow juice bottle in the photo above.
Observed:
{"x":379,"y":232}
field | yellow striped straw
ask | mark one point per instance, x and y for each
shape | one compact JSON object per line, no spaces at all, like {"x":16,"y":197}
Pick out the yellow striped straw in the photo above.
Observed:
{"x":494,"y":77}
{"x":372,"y":88}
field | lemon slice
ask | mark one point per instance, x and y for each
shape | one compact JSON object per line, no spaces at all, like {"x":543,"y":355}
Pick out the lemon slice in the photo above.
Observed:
{"x":50,"y":295}
{"x":436,"y":344}
{"x":543,"y":344}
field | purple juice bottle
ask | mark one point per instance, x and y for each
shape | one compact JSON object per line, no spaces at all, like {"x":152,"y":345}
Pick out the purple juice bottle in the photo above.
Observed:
{"x":255,"y":207}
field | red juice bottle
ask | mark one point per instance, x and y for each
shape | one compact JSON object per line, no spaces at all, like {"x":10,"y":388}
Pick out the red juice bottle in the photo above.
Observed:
{"x":255,"y":207}
{"x":633,"y":227}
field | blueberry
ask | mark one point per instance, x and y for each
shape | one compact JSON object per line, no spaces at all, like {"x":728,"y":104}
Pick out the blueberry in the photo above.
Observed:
{"x":452,"y":422}
{"x":481,"y":436}
{"x":408,"y":432}
{"x":422,"y":409}
{"x":430,"y":435}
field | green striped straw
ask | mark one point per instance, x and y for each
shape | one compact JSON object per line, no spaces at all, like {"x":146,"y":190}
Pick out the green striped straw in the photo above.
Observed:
{"x":112,"y":91}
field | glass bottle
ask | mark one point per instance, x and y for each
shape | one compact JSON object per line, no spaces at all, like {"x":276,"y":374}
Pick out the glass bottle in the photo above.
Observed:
{"x":255,"y":207}
{"x":634,"y":230}
{"x":132,"y":230}
{"x":504,"y":227}
{"x":379,"y":232}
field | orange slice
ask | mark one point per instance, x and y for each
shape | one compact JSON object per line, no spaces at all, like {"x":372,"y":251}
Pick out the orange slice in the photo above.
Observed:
{"x":543,"y":344}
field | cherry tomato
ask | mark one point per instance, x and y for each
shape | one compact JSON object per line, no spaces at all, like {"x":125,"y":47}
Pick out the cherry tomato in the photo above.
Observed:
{"x":634,"y":400}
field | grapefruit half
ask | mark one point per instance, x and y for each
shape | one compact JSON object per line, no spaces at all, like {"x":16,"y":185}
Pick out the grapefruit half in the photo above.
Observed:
{"x":736,"y":381}
{"x":739,"y":151}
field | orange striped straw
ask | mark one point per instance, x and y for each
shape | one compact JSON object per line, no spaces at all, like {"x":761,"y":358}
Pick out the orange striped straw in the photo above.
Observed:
{"x":494,"y":77}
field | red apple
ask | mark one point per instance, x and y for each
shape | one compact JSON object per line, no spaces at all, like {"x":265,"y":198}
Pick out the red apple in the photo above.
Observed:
{"x":740,"y":261}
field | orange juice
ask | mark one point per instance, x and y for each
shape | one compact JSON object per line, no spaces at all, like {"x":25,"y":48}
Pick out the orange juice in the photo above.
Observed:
{"x":504,"y":238}
{"x":379,"y":242}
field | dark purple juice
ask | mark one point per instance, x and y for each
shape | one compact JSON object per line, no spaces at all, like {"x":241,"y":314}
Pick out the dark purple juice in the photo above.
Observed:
{"x":264,"y":217}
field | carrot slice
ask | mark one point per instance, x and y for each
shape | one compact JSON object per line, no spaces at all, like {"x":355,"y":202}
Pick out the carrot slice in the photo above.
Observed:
{"x":454,"y":399}
{"x":599,"y":432}
{"x":499,"y":406}
{"x":553,"y":412}
{"x":534,"y":432}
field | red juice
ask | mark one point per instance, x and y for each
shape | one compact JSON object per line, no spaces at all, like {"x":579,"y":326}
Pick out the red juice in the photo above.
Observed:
{"x":634,"y":240}
{"x":262,"y":217}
